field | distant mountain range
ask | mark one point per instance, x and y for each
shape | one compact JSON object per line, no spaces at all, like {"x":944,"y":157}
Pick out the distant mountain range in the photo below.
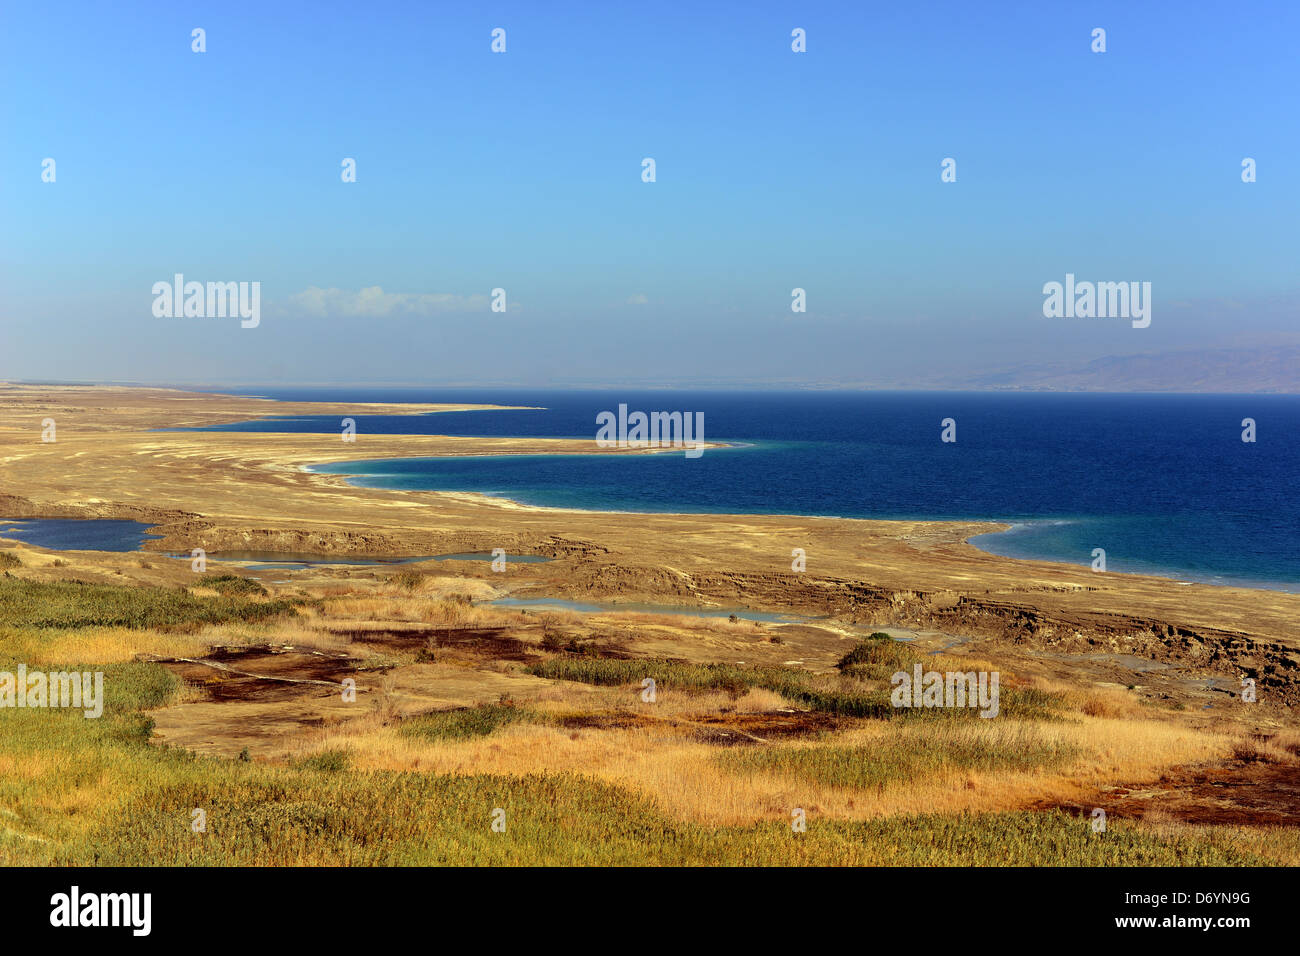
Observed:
{"x":1272,"y":369}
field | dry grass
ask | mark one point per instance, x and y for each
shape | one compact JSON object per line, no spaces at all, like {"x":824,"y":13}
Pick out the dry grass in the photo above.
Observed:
{"x":1280,"y":748}
{"x":413,"y":582}
{"x":107,"y":645}
{"x":437,"y":606}
{"x":1093,"y":738}
{"x":684,"y":776}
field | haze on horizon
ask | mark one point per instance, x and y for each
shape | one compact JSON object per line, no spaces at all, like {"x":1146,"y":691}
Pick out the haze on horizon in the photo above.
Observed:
{"x":775,"y":170}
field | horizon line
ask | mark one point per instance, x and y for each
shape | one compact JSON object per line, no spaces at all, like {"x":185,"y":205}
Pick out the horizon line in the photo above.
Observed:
{"x":608,"y":387}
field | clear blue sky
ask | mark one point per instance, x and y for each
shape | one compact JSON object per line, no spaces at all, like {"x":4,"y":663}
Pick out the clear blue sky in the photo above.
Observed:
{"x":523,"y":170}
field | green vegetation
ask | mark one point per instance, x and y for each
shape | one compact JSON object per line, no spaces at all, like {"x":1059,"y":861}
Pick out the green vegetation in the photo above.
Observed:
{"x":861,"y":690}
{"x":879,"y":657}
{"x":73,"y":604}
{"x":563,"y":819}
{"x":879,"y":654}
{"x":232,"y":584}
{"x":258,"y":815}
{"x":9,"y":560}
{"x":85,"y":792}
{"x":667,"y":673}
{"x":327,"y":761}
{"x":466,"y":722}
{"x":94,"y":792}
{"x":911,"y":754}
{"x":793,"y":684}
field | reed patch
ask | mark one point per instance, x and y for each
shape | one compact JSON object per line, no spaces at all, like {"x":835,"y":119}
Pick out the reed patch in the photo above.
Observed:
{"x":72,"y":604}
{"x":916,"y":751}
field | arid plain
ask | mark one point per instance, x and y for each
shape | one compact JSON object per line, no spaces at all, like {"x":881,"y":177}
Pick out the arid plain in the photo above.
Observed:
{"x":1122,"y":693}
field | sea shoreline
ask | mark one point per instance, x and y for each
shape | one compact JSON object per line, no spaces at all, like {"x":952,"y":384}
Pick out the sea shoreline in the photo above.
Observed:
{"x":248,"y":491}
{"x":999,"y":527}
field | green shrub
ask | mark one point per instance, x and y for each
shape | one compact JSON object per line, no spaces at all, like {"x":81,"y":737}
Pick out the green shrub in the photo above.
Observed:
{"x":327,"y":761}
{"x":875,"y":658}
{"x":232,"y":584}
{"x":75,"y":604}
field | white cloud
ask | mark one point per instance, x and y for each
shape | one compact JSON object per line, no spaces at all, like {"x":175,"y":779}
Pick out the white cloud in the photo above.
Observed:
{"x":639,"y":298}
{"x":374,"y":302}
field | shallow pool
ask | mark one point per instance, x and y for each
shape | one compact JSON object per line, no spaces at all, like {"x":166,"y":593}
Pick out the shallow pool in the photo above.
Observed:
{"x":78,"y":534}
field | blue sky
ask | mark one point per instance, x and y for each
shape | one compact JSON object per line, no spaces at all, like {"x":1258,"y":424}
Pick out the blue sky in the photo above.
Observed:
{"x":522,"y":170}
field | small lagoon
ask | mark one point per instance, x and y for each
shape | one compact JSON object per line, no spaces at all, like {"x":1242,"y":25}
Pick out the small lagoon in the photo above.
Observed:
{"x":111,"y":534}
{"x":78,"y":534}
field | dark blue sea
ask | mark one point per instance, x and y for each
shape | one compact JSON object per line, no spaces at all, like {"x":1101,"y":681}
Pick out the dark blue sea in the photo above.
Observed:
{"x":1163,"y":483}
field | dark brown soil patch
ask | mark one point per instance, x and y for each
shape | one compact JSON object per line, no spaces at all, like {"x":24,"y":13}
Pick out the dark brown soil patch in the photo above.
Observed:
{"x":612,"y":720}
{"x":734,"y":729}
{"x":491,"y":642}
{"x":1243,"y":793}
{"x":264,"y":673}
